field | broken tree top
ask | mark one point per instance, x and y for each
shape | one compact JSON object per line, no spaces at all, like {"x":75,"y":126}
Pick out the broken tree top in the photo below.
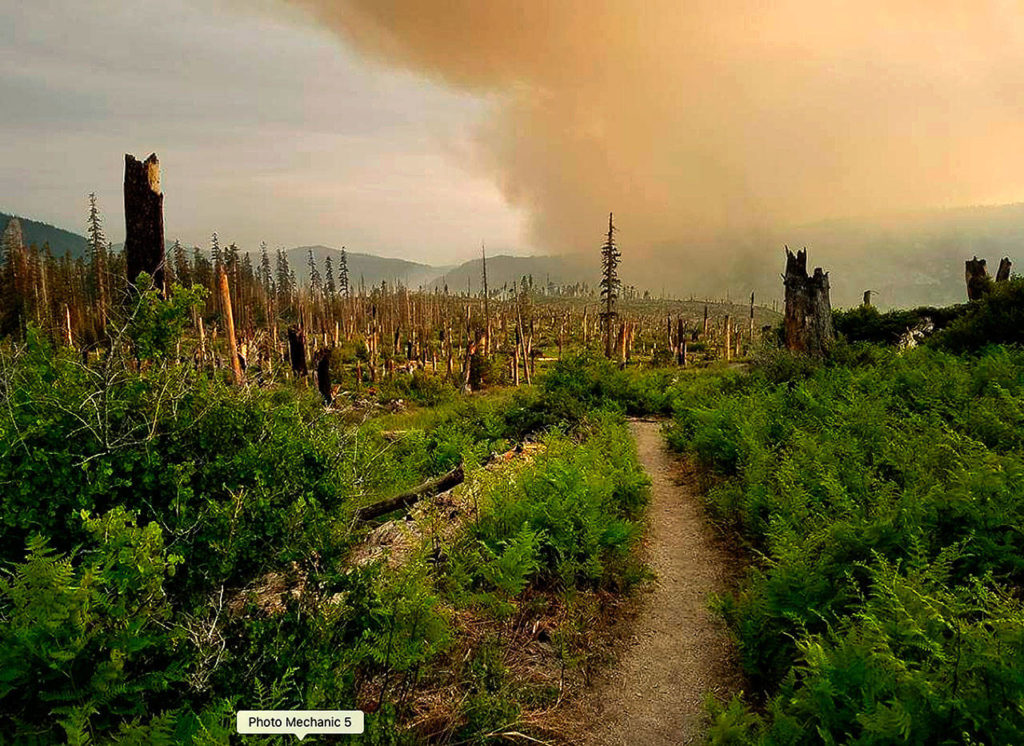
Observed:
{"x":796,"y":267}
{"x":808,"y":319}
{"x":148,"y":169}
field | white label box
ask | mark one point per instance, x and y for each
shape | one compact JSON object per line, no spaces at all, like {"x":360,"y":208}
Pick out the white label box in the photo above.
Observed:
{"x":300,"y":723}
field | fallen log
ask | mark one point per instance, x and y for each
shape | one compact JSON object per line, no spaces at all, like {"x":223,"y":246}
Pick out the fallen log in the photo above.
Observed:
{"x":427,"y":489}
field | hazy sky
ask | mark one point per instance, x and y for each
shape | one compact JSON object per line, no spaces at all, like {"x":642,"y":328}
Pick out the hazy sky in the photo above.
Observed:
{"x":419,"y":127}
{"x":267,"y":128}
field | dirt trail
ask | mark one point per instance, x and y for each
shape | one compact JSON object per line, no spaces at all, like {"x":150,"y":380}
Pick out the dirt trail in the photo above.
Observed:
{"x":678,"y":650}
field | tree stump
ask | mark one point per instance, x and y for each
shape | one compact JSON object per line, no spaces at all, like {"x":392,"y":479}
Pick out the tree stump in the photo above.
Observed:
{"x":976,"y":276}
{"x":1003,"y":273}
{"x":322,"y":363}
{"x":808,"y":319}
{"x":297,"y":350}
{"x":143,"y":220}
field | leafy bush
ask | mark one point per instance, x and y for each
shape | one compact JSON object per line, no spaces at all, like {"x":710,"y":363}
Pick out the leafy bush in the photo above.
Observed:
{"x":84,"y":642}
{"x":216,"y":576}
{"x":997,"y":318}
{"x":886,"y":501}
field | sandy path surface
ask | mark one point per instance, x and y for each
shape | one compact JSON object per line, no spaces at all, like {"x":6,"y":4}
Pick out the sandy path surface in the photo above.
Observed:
{"x":679,"y":650}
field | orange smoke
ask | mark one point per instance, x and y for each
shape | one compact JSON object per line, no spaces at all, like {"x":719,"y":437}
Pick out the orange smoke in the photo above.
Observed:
{"x":699,"y":119}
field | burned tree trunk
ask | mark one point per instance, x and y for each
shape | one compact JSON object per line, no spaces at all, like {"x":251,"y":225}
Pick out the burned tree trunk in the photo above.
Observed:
{"x":1003,"y":273}
{"x":322,"y":362}
{"x":976,"y":276}
{"x":808,"y":319}
{"x":297,"y":350}
{"x":144,"y":220}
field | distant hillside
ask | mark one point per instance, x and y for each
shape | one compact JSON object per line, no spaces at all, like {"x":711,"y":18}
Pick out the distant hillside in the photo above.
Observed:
{"x":908,"y":259}
{"x":60,"y":240}
{"x":915,"y":258}
{"x":370,"y":269}
{"x":501,"y":270}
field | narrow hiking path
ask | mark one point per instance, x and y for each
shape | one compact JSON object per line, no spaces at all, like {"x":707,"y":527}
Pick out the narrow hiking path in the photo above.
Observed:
{"x":679,"y":649}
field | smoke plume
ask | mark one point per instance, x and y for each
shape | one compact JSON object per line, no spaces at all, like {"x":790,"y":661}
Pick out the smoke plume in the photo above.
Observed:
{"x":711,"y":127}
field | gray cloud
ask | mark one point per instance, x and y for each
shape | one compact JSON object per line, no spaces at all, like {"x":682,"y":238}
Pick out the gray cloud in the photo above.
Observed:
{"x":266,"y":129}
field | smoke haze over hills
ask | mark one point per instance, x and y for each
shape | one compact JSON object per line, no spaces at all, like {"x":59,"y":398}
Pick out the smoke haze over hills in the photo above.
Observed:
{"x":719,"y":130}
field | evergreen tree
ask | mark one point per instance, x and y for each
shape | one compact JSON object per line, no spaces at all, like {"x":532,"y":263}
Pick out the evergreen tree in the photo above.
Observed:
{"x":284,"y":274}
{"x":216,"y":254}
{"x":181,"y":268}
{"x":610,"y":284}
{"x":315,"y":282}
{"x":343,"y":286}
{"x":97,"y":250}
{"x":202,"y":272}
{"x":14,"y":274}
{"x":231,"y":265}
{"x":266,"y":276}
{"x":329,"y":285}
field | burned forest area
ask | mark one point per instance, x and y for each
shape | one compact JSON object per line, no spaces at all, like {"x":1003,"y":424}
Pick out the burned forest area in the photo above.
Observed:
{"x":594,"y":421}
{"x":225,"y":489}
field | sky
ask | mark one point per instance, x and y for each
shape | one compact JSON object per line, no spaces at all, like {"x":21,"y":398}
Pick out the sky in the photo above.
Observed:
{"x":267,"y":128}
{"x":716,"y":130}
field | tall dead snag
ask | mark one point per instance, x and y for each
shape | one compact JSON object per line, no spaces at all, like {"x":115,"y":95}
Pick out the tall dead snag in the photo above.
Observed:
{"x":808,"y":319}
{"x":487,"y":302}
{"x":229,"y":319}
{"x":750,"y":323}
{"x":1003,"y":273}
{"x":976,"y":276}
{"x":473,"y":344}
{"x":322,"y":363}
{"x":297,"y":350}
{"x":143,"y":219}
{"x":610,"y":256}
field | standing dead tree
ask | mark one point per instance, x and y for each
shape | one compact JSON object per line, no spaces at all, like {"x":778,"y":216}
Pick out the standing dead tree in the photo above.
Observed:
{"x":487,"y":301}
{"x":143,"y":219}
{"x":808,"y":318}
{"x":322,"y":362}
{"x":978,"y":281}
{"x":297,"y":350}
{"x":610,"y":257}
{"x":976,"y":276}
{"x":1003,"y":273}
{"x":229,"y":320}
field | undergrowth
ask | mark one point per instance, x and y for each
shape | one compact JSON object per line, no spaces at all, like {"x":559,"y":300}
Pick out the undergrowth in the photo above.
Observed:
{"x":146,"y":507}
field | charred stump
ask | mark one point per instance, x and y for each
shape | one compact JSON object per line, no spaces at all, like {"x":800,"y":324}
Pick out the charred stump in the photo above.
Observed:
{"x":143,"y":220}
{"x":976,"y":276}
{"x":1003,"y":273}
{"x":808,"y":319}
{"x":297,"y":350}
{"x":322,"y":363}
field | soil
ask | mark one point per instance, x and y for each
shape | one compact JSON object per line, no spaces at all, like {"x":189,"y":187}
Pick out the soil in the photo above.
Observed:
{"x":678,"y":650}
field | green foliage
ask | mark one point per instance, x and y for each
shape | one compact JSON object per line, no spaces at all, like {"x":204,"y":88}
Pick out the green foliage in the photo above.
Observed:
{"x":217,"y":576}
{"x":885,"y":500}
{"x":566,"y":521}
{"x":156,"y":323}
{"x":868,"y":324}
{"x":421,"y":388}
{"x":84,"y":641}
{"x":577,"y":384}
{"x":997,"y":318}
